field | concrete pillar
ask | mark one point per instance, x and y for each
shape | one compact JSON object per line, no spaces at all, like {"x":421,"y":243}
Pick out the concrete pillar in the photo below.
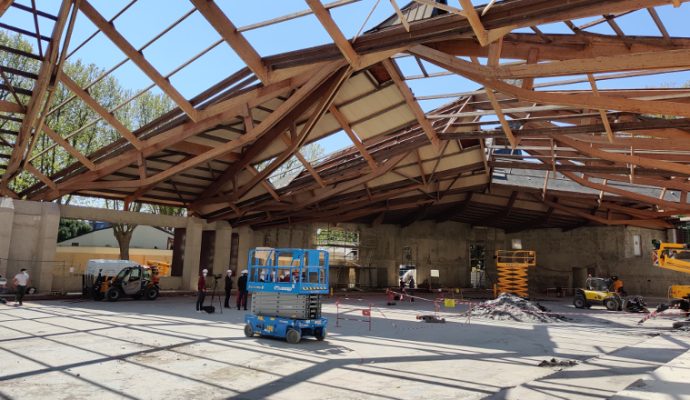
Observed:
{"x":192,"y":253}
{"x":246,"y":242}
{"x":46,"y":245}
{"x":6,"y":222}
{"x":221,"y":254}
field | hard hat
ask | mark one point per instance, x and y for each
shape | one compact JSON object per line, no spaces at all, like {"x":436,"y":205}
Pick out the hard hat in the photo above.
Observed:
{"x":204,"y":270}
{"x":244,"y":271}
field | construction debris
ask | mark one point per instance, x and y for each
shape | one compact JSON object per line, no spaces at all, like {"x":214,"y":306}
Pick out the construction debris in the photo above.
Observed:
{"x":510,"y":307}
{"x":556,"y":363}
{"x":431,"y":318}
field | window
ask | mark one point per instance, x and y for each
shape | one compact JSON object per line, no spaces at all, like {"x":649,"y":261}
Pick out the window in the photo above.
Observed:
{"x":637,"y":247}
{"x":342,"y":245}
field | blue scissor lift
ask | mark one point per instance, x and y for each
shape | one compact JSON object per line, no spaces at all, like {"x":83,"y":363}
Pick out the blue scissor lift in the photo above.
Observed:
{"x":287,"y":286}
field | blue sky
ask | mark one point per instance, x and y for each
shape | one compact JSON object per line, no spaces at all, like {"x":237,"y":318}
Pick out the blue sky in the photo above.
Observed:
{"x":147,"y":18}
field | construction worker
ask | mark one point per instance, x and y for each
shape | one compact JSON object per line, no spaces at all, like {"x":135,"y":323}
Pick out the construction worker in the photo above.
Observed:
{"x":20,"y":281}
{"x":228,"y":287}
{"x":201,"y":290}
{"x":242,"y":290}
{"x":617,"y":285}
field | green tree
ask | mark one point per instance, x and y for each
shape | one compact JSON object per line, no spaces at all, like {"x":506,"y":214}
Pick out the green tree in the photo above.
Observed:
{"x":69,"y":116}
{"x":70,"y":228}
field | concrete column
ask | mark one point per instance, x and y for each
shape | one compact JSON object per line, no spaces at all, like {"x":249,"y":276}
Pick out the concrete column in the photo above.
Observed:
{"x":46,"y":245}
{"x":6,"y":222}
{"x":221,"y":254}
{"x":192,"y":253}
{"x":246,"y":242}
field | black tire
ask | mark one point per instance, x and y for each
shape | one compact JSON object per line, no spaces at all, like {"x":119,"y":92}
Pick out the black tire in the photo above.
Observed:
{"x":611,"y":304}
{"x":579,"y":302}
{"x":320,"y":334}
{"x":293,"y":336}
{"x":248,"y":330}
{"x":152,"y":293}
{"x":113,"y":294}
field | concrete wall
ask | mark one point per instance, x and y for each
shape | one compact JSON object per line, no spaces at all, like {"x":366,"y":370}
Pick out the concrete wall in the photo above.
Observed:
{"x":28,"y":235}
{"x":445,"y":246}
{"x":70,"y":263}
{"x":143,"y":237}
{"x":28,"y":239}
{"x":607,"y":250}
{"x":442,"y":246}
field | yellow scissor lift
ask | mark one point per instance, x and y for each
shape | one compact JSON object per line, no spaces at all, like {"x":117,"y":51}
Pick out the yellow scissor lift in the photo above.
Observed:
{"x":512,"y":268}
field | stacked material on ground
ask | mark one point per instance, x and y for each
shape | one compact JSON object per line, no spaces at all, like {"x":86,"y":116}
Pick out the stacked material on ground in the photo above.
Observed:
{"x":557,"y":363}
{"x":514,"y":308}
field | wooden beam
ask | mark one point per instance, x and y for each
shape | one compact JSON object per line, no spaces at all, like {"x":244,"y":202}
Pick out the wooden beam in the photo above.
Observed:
{"x":7,"y":106}
{"x":326,"y":99}
{"x":247,"y":138}
{"x":335,"y":112}
{"x":626,"y":193}
{"x":643,"y":223}
{"x":137,"y":58}
{"x":286,"y":139}
{"x":227,"y":30}
{"x":401,"y":16}
{"x":412,"y":103}
{"x":584,"y":101}
{"x":37,"y":99}
{"x":441,"y":6}
{"x":306,"y":100}
{"x":38,"y":174}
{"x":324,"y":16}
{"x":69,"y":148}
{"x":266,"y":185}
{"x":532,"y":58}
{"x":623,"y":158}
{"x":473,"y":18}
{"x":504,"y":122}
{"x":4,"y":5}
{"x":211,"y":117}
{"x":100,"y":110}
{"x":602,"y":113}
{"x":622,"y":62}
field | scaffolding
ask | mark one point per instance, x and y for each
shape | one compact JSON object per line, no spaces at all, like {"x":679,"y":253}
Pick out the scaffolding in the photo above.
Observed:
{"x":512,"y":267}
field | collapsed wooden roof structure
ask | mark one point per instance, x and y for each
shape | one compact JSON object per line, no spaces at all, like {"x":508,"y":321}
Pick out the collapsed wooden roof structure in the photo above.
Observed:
{"x":519,"y":152}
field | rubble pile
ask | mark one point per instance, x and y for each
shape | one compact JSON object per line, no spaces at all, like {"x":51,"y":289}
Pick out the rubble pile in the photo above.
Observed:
{"x":556,"y":363}
{"x":510,"y":307}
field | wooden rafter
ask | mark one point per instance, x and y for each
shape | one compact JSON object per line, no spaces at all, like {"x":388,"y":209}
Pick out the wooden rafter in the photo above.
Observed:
{"x":300,"y":102}
{"x":411,"y":102}
{"x":584,"y":101}
{"x":227,"y":30}
{"x":335,"y":112}
{"x":325,"y":101}
{"x":100,"y":110}
{"x":324,"y":16}
{"x":137,"y":58}
{"x":36,"y":102}
{"x":69,"y":148}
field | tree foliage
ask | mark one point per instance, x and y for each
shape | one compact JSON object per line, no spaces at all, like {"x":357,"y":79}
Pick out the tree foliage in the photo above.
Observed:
{"x":70,"y":228}
{"x":70,"y":117}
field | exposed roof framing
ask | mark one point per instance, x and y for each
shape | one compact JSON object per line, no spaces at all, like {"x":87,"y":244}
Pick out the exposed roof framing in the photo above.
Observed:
{"x":524,"y":150}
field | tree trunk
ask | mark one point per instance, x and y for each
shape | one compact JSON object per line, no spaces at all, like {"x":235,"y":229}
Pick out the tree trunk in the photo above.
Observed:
{"x":123,"y":234}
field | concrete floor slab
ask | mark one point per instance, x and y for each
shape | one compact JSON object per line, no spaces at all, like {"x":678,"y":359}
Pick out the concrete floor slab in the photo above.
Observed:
{"x":164,"y":349}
